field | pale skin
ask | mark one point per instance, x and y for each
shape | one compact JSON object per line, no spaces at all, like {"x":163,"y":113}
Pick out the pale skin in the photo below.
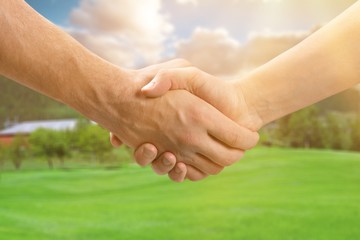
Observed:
{"x":325,"y":64}
{"x":39,"y":55}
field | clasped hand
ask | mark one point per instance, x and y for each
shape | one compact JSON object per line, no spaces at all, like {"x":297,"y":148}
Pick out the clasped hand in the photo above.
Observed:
{"x":204,"y":129}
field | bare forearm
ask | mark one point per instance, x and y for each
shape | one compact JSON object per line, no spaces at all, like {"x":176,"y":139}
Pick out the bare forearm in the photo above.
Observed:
{"x":36,"y":53}
{"x":326,"y":63}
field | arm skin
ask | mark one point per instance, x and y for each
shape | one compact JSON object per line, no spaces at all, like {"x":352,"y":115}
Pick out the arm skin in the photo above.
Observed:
{"x":39,"y":55}
{"x":324,"y":64}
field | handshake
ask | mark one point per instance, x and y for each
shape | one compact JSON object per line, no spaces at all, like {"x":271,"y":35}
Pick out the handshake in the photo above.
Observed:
{"x":195,"y":130}
{"x":184,"y":122}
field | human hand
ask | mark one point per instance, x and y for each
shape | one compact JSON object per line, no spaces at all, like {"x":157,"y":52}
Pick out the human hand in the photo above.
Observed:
{"x":166,"y":163}
{"x":226,"y":96}
{"x":197,"y":141}
{"x":147,"y":153}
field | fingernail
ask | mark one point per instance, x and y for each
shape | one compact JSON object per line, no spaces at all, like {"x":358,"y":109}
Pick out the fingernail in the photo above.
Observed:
{"x":166,"y":162}
{"x":148,"y":153}
{"x":178,"y":170}
{"x":149,"y":86}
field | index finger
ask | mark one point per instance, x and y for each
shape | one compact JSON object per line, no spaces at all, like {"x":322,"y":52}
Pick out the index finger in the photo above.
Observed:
{"x":230,"y":133}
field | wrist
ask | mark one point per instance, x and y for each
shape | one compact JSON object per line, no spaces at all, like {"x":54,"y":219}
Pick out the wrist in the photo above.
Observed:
{"x":95,"y":83}
{"x":249,"y":114}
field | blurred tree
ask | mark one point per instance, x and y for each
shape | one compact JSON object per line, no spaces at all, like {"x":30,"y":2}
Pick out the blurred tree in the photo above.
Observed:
{"x":338,"y":131}
{"x":300,"y":129}
{"x":18,"y":150}
{"x":302,"y":125}
{"x":93,"y":140}
{"x":81,"y":126}
{"x":347,"y":101}
{"x":268,"y":136}
{"x":308,"y":128}
{"x":356,"y":133}
{"x":50,"y":143}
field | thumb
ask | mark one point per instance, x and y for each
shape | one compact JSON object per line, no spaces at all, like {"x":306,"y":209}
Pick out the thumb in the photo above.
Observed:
{"x":170,"y":79}
{"x":157,"y":87}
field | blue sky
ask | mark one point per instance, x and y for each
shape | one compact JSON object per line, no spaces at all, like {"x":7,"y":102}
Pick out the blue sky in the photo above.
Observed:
{"x":239,"y":16}
{"x":250,"y":15}
{"x":134,"y":33}
{"x":56,"y":11}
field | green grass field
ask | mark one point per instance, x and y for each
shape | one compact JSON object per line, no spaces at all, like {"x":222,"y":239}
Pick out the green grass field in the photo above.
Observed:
{"x":271,"y":194}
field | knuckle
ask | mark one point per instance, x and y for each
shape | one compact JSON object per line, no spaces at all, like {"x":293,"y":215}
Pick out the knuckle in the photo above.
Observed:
{"x":195,"y":72}
{"x":145,"y":154}
{"x":194,"y":75}
{"x":182,"y":62}
{"x":193,"y":69}
{"x":160,"y":168}
{"x":163,"y":74}
{"x":196,"y":116}
{"x":233,"y":138}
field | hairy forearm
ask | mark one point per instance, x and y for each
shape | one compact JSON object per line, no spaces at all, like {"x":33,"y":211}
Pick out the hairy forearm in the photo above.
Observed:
{"x":36,"y":53}
{"x":326,"y":63}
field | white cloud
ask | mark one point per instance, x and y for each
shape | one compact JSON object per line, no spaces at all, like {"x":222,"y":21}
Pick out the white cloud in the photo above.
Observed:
{"x":240,"y":17}
{"x":134,"y":33}
{"x":107,"y":46}
{"x":193,"y":2}
{"x":214,"y":51}
{"x":127,"y":33}
{"x":264,"y":46}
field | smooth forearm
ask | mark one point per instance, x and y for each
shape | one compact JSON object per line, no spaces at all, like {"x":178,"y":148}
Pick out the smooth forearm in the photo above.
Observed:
{"x":324,"y":64}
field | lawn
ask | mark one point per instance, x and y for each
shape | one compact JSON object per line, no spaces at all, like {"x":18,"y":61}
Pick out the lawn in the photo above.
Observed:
{"x":271,"y":194}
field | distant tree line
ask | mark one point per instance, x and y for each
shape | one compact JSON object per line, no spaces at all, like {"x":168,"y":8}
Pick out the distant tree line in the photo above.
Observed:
{"x":87,"y":140}
{"x":309,"y":128}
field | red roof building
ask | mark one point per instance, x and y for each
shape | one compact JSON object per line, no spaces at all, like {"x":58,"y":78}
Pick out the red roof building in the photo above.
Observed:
{"x":26,"y":128}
